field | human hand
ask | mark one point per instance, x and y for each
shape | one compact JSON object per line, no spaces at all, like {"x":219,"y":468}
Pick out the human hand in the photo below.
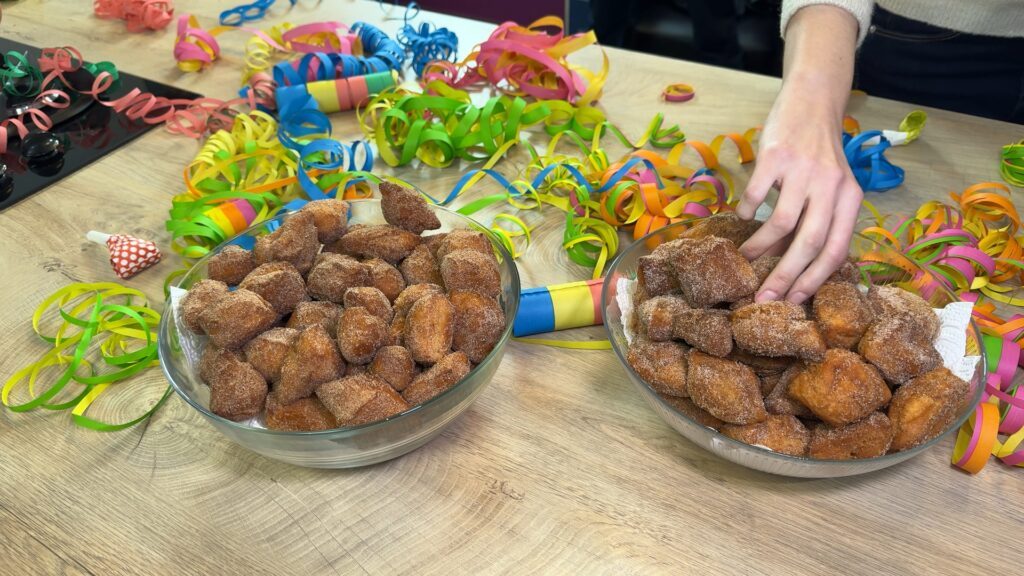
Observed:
{"x":801,"y":153}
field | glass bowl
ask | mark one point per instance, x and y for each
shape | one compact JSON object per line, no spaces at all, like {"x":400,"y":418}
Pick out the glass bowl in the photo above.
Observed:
{"x":342,"y":447}
{"x":900,"y":271}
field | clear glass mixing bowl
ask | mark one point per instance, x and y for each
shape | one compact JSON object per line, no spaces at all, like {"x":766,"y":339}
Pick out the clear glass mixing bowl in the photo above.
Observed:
{"x":904,"y":271}
{"x":342,"y":447}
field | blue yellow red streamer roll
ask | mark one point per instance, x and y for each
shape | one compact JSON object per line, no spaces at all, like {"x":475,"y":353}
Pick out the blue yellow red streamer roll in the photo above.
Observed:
{"x":558,"y":307}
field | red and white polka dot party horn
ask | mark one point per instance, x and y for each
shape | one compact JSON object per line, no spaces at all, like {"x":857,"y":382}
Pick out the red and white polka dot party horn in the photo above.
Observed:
{"x":128,"y":255}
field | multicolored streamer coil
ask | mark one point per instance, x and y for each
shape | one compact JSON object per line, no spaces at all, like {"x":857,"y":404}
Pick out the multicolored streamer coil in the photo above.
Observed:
{"x":104,"y":319}
{"x":974,"y":248}
{"x":1011,"y":165}
{"x":527,"y":61}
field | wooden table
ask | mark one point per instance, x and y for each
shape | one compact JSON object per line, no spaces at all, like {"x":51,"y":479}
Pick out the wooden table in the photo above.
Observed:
{"x":559,"y":467}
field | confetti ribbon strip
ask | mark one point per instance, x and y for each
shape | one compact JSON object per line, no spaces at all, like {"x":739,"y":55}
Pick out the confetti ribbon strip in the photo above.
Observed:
{"x":527,"y":61}
{"x":1011,"y":166}
{"x":138,"y":15}
{"x":104,"y":317}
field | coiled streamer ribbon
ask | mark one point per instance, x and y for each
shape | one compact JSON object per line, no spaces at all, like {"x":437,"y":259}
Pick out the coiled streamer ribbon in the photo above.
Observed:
{"x":378,"y":54}
{"x":104,"y":318}
{"x":248,"y":12}
{"x":973,"y":248}
{"x":527,"y":61}
{"x":138,"y":15}
{"x":873,"y":171}
{"x":1011,"y":165}
{"x":426,"y":43}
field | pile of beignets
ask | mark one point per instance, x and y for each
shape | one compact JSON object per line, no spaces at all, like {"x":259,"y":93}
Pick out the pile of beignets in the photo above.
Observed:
{"x":334,"y":325}
{"x":848,"y":375}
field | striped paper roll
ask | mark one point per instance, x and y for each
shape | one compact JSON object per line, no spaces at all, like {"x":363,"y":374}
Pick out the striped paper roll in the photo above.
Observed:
{"x":558,"y":307}
{"x":341,"y":94}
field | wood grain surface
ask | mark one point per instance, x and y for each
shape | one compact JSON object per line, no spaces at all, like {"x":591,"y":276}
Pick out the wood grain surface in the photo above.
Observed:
{"x":559,"y":467}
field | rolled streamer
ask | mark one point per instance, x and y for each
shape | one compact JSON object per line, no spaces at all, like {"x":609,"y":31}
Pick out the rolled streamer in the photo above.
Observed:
{"x":104,"y":319}
{"x":427,"y":43}
{"x":247,"y":12}
{"x":972,"y":248}
{"x":908,"y":131}
{"x":191,"y":117}
{"x":873,"y":171}
{"x":1011,"y":165}
{"x":527,"y":61}
{"x":138,"y":15}
{"x":558,"y":307}
{"x":379,"y":53}
{"x":341,"y":94}
{"x":678,"y":93}
{"x":976,"y":439}
{"x":19,"y":76}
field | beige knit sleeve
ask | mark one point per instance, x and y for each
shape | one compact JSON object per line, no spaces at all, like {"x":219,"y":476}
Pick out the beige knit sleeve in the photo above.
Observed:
{"x":861,"y":10}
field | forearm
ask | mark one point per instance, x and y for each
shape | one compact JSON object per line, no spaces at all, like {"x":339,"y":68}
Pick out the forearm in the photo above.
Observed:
{"x":821,"y":42}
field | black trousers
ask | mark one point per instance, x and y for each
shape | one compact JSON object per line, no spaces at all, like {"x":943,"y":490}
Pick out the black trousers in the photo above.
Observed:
{"x":908,"y":60}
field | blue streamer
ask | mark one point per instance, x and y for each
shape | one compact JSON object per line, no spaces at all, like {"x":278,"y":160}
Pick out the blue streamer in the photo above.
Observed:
{"x":538,"y":180}
{"x":247,"y":12}
{"x":305,"y":130}
{"x":381,"y":53}
{"x":873,"y":171}
{"x":427,"y":43}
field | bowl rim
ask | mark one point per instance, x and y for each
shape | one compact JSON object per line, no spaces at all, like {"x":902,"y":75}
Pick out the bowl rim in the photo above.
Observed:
{"x":896,"y":457}
{"x":163,"y":346}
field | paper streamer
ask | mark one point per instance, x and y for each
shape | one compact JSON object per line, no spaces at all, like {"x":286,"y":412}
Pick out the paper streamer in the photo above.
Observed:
{"x":247,"y":12}
{"x":20,"y":77}
{"x":678,"y":93}
{"x":182,"y":116}
{"x":244,"y":176}
{"x":196,"y":48}
{"x":426,"y":44}
{"x":438,"y":129}
{"x":138,"y":15}
{"x":558,"y":307}
{"x":527,"y":61}
{"x":101,"y":319}
{"x":341,"y":94}
{"x":873,"y":171}
{"x":974,"y":249}
{"x":1011,"y":165}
